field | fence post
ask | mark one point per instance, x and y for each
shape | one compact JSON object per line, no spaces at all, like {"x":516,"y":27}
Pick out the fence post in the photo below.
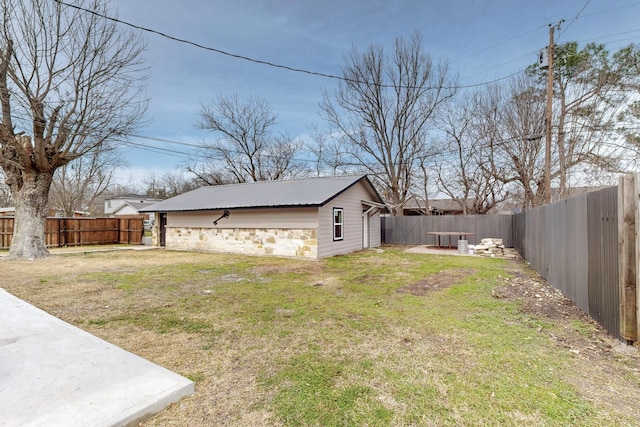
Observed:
{"x":62,"y":234}
{"x":627,"y":246}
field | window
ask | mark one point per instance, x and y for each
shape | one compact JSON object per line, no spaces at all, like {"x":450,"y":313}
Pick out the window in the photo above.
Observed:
{"x":338,"y":223}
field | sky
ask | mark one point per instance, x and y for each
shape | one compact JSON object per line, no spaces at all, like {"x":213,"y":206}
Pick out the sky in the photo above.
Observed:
{"x":481,"y":40}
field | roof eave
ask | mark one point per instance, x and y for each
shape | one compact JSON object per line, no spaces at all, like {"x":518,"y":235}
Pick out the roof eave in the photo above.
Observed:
{"x":218,"y":208}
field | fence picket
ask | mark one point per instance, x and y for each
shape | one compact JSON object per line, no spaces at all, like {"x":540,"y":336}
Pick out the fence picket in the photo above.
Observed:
{"x":82,"y":231}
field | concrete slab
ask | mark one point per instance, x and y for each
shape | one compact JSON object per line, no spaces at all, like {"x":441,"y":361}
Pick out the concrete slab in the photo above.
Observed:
{"x":509,"y":253}
{"x":54,"y":374}
{"x":435,"y":250}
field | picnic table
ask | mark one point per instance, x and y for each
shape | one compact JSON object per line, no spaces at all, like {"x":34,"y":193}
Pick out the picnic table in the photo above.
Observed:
{"x":439,"y":234}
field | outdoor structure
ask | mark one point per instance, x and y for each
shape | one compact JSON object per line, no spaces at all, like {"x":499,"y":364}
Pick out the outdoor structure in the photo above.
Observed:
{"x":308,"y":218}
{"x":132,"y":209}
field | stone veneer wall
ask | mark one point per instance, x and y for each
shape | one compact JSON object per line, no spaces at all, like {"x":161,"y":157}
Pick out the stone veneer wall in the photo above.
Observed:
{"x":251,"y":241}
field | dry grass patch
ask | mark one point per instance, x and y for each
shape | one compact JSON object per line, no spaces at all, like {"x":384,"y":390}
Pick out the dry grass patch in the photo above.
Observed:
{"x":378,"y":339}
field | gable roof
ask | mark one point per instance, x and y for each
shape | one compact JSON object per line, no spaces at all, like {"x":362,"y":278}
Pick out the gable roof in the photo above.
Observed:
{"x":134,"y":205}
{"x":307,"y":192}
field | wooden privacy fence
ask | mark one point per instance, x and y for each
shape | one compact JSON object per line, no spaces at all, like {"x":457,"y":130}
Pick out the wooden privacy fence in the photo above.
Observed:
{"x":61,"y":232}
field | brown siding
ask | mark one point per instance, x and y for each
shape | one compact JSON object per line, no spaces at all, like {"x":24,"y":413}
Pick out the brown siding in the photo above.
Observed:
{"x":298,"y":218}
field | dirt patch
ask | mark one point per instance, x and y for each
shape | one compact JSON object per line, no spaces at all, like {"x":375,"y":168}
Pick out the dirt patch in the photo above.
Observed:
{"x":606,"y":364}
{"x":437,"y":281}
{"x":538,"y":296}
{"x":542,"y":300}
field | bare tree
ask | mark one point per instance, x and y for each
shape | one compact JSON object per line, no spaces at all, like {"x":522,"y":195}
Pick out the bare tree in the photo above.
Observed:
{"x":383,"y":110}
{"x":78,"y":184}
{"x":169,"y":184}
{"x":124,"y":190}
{"x":513,"y":130}
{"x":463,"y":174}
{"x":209,"y":173}
{"x":69,"y":83}
{"x":505,"y":124}
{"x":247,"y":149}
{"x":328,"y":154}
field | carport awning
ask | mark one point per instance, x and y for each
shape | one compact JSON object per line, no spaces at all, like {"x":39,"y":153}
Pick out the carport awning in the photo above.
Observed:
{"x":373,"y":206}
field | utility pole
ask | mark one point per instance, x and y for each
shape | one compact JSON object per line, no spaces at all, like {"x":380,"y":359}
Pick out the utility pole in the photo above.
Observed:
{"x":547,"y":152}
{"x":549,"y":115}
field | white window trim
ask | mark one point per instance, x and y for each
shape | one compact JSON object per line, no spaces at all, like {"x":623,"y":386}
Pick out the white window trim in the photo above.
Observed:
{"x":341,"y":224}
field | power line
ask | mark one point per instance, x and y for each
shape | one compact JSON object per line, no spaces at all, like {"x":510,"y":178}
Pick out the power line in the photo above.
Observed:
{"x":263,"y":62}
{"x":600,"y":12}
{"x":152,"y":138}
{"x":158,"y":150}
{"x":574,"y":19}
{"x":502,"y":42}
{"x":200,"y":46}
{"x":611,"y":35}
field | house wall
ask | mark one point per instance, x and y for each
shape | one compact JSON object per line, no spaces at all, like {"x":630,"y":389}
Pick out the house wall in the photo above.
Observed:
{"x":248,"y":241}
{"x":351,"y":202}
{"x":375,"y":230}
{"x":281,"y":232}
{"x":296,"y":232}
{"x":247,"y":218}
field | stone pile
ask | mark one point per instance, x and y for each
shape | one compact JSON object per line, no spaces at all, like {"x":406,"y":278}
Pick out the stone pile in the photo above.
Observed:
{"x":490,"y":247}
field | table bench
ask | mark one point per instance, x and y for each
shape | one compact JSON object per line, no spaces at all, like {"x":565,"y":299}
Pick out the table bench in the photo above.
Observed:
{"x":438,"y":234}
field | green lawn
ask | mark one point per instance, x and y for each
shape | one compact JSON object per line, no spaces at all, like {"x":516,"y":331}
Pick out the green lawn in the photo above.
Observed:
{"x":360,"y":340}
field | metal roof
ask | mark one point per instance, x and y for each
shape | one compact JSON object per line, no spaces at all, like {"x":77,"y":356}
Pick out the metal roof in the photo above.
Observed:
{"x":305,"y":192}
{"x":439,"y":204}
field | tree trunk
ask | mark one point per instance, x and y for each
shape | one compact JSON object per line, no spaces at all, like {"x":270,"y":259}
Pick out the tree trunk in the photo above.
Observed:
{"x":30,"y":217}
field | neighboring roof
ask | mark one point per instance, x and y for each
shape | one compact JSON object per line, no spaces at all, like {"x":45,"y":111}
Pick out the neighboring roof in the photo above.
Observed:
{"x":134,"y":205}
{"x":133,"y":197}
{"x":556,"y":194}
{"x":439,"y":204}
{"x":449,"y":204}
{"x":305,"y":192}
